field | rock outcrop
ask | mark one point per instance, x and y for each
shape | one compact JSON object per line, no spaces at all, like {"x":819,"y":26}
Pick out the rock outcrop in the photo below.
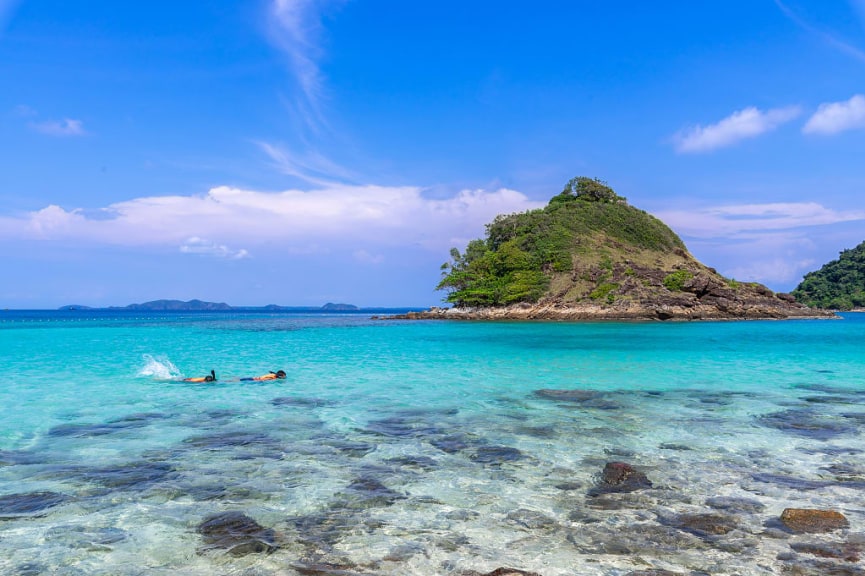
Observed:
{"x":684,"y":307}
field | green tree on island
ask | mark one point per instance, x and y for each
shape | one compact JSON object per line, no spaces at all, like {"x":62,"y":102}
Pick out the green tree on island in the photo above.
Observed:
{"x":838,"y":285}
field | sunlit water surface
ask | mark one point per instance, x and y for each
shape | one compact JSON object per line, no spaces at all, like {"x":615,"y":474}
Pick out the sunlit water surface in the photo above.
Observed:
{"x":422,"y":447}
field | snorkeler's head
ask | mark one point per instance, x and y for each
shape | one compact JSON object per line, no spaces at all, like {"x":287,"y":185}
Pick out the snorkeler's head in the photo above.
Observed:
{"x":280,"y":374}
{"x":211,"y":377}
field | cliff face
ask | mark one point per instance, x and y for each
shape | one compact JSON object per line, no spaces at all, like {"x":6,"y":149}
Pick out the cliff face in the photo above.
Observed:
{"x":589,"y":255}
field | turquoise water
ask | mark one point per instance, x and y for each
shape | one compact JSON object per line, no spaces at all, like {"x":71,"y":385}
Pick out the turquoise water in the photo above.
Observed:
{"x":420,"y":447}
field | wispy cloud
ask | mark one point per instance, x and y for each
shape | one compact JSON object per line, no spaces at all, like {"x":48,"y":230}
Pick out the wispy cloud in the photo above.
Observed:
{"x":65,"y":127}
{"x":834,"y":117}
{"x":829,"y":37}
{"x":741,"y":125}
{"x":311,"y":167}
{"x":334,"y":218}
{"x":735,"y":220}
{"x":295,"y":30}
{"x":196,"y":245}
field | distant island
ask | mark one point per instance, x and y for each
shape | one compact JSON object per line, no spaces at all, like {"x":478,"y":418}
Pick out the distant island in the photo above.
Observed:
{"x":838,"y":285}
{"x":199,"y":305}
{"x":589,"y":255}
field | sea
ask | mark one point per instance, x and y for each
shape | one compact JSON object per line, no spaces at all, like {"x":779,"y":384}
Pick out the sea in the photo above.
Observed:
{"x":426,"y":447}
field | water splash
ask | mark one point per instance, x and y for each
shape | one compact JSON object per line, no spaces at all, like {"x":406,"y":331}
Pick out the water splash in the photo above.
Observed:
{"x":159,"y":367}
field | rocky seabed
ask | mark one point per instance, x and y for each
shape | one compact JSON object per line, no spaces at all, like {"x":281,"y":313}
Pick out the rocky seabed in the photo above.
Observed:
{"x":560,"y":482}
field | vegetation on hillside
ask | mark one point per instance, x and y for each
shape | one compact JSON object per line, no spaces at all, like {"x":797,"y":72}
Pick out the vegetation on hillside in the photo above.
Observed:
{"x":522,"y":253}
{"x":838,"y":285}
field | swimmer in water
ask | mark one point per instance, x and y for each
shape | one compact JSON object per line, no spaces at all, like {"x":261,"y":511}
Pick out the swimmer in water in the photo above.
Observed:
{"x":279,"y":374}
{"x":209,"y":378}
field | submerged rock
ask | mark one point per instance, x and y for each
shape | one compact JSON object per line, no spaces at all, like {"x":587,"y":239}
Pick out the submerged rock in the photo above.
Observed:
{"x":502,"y":572}
{"x":301,"y":402}
{"x":733,"y":504}
{"x":497,"y":455}
{"x":820,"y":569}
{"x":236,"y":533}
{"x":31,"y":569}
{"x":808,"y":423}
{"x":456,"y":442}
{"x":368,"y":492}
{"x":404,"y":427}
{"x":531,"y":519}
{"x":845,"y":551}
{"x":810,"y":520}
{"x":645,"y":538}
{"x":232,"y":439}
{"x":14,"y":457}
{"x":350,"y":447}
{"x":82,"y":430}
{"x":325,"y":569}
{"x":413,"y":461}
{"x":132,"y":476}
{"x":620,"y":477}
{"x":206,"y":492}
{"x":583,"y":398}
{"x":93,"y":539}
{"x":790,"y":481}
{"x":704,"y":525}
{"x":28,"y":504}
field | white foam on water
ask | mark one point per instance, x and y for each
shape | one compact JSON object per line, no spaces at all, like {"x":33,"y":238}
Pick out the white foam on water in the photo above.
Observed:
{"x":159,"y":367}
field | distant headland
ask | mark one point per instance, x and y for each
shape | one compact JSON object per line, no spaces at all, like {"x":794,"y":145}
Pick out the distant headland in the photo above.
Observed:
{"x":202,"y":306}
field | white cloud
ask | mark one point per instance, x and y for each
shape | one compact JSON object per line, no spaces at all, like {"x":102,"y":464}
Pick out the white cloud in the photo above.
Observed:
{"x":65,"y":127}
{"x":196,"y":245}
{"x":735,"y":220}
{"x":741,"y":125}
{"x":295,"y":30}
{"x":834,"y":117}
{"x":334,"y":218}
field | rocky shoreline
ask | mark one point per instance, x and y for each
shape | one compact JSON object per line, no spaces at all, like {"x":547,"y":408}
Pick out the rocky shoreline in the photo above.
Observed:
{"x":774,"y":309}
{"x":643,"y":294}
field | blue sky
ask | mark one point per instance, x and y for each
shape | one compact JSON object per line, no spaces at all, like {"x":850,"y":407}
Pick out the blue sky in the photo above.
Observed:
{"x":300,"y":152}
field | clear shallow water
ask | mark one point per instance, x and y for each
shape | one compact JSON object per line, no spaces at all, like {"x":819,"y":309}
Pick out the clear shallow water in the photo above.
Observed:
{"x":421,"y":447}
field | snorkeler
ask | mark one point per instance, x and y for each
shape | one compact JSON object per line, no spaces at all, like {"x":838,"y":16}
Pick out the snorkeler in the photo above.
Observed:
{"x":209,"y":378}
{"x":279,"y":374}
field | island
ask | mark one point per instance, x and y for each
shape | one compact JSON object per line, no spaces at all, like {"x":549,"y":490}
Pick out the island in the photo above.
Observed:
{"x":201,"y":306}
{"x":838,"y":285}
{"x":589,"y":255}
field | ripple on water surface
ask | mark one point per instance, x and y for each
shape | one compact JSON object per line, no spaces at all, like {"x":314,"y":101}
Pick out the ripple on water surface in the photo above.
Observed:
{"x":466,"y":449}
